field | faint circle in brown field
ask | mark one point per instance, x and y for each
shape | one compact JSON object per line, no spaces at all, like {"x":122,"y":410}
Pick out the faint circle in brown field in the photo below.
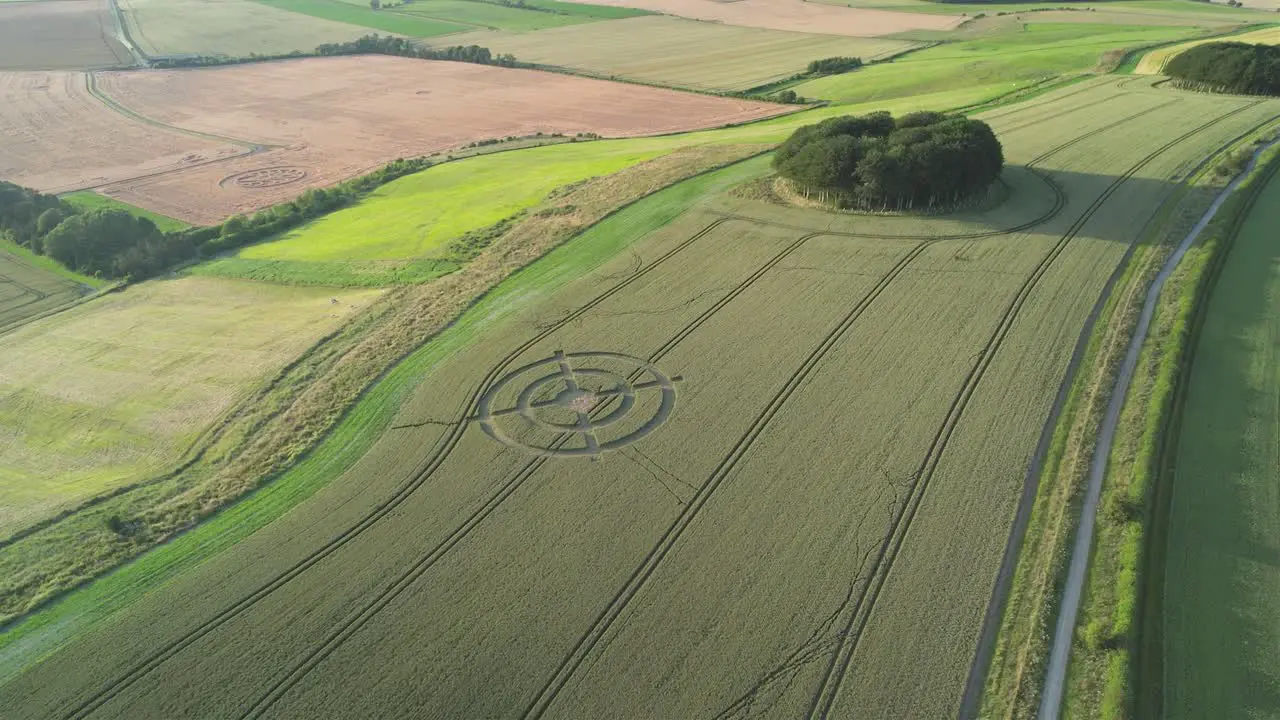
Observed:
{"x":266,"y":177}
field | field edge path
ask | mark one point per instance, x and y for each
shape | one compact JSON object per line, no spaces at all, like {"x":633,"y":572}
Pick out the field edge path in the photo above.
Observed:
{"x":1060,"y":647}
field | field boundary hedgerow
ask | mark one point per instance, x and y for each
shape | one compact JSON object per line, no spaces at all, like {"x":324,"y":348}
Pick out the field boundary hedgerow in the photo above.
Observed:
{"x":1005,"y":677}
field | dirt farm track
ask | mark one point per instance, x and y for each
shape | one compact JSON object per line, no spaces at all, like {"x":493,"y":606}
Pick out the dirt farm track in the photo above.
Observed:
{"x":201,"y":145}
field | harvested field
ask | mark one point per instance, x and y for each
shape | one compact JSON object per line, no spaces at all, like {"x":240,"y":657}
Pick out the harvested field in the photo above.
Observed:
{"x":824,"y":427}
{"x":56,"y":136}
{"x":796,"y":16}
{"x":59,"y":35}
{"x":227,"y":27}
{"x":108,"y":392}
{"x":679,"y":52}
{"x":333,"y":118}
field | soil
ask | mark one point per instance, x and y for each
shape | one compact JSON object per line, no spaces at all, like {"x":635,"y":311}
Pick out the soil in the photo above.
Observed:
{"x":328,"y":119}
{"x":56,"y":137}
{"x":59,"y":35}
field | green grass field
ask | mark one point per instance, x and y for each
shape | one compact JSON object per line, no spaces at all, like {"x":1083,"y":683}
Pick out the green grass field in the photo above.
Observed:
{"x":678,"y":52}
{"x":31,"y":285}
{"x":89,"y":200}
{"x":1024,"y":54}
{"x":1222,"y":560}
{"x":856,"y":403}
{"x":227,"y":27}
{"x":110,"y":391}
{"x":365,"y":16}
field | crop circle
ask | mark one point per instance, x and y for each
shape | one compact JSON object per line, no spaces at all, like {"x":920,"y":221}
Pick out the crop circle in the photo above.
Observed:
{"x":267,"y":177}
{"x":572,"y":397}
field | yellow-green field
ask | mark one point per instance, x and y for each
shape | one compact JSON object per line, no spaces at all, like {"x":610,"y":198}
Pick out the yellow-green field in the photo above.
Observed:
{"x":105,"y":393}
{"x":829,"y":422}
{"x":679,"y":52}
{"x":227,"y":27}
{"x":1023,"y":54}
{"x":1153,"y":62}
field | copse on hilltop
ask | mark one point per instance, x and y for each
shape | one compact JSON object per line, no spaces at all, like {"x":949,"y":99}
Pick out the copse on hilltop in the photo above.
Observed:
{"x":920,"y":161}
{"x":1228,"y":67}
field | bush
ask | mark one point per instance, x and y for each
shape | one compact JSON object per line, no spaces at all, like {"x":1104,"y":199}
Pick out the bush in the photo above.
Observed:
{"x":1228,"y":67}
{"x":919,"y":161}
{"x":833,"y":65}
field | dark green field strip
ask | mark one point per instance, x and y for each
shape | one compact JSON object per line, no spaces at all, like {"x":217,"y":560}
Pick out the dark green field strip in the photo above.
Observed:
{"x":860,"y":611}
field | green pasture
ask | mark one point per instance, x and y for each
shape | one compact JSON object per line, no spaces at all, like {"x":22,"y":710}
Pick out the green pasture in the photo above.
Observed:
{"x":89,"y":200}
{"x":31,"y":285}
{"x":151,"y":367}
{"x":365,"y":16}
{"x":1222,"y":559}
{"x":1026,"y":55}
{"x":497,"y":17}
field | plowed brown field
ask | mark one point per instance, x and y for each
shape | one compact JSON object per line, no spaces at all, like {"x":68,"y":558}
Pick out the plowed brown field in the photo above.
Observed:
{"x":331,"y":118}
{"x":58,"y":35}
{"x":796,"y":15}
{"x":55,"y":136}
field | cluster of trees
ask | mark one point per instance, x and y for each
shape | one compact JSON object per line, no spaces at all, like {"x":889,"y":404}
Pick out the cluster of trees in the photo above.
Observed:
{"x":103,"y":242}
{"x":833,"y":66}
{"x":920,"y":161}
{"x":116,"y":244}
{"x":403,"y":47}
{"x":1228,"y":67}
{"x":366,"y":45}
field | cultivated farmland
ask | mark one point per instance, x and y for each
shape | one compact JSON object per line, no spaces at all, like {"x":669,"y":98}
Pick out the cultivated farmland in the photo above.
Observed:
{"x":59,"y":35}
{"x":59,"y":137}
{"x":227,"y":27}
{"x":1222,"y":582}
{"x":810,"y":428}
{"x":683,"y":53}
{"x":1019,"y":55}
{"x":31,"y":286}
{"x":117,"y":389}
{"x":1153,"y":62}
{"x":327,"y":119}
{"x":795,"y":15}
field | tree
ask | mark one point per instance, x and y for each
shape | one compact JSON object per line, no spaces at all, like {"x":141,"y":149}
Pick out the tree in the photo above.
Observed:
{"x":48,"y":220}
{"x":920,"y":160}
{"x":1228,"y":67}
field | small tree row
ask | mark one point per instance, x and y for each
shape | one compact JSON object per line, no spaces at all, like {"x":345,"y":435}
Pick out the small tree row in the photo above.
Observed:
{"x":920,"y":161}
{"x":1228,"y":67}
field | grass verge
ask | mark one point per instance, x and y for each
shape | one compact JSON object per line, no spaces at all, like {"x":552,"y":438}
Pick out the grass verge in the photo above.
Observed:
{"x":1016,"y":670}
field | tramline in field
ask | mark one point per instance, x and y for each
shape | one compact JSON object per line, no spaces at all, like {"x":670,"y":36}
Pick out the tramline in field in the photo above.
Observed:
{"x":857,"y":401}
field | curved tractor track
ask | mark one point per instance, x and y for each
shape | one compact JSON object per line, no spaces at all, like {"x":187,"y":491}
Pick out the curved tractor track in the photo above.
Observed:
{"x":451,"y":438}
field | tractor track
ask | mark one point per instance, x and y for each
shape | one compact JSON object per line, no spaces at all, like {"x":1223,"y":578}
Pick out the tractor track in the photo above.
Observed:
{"x":512,"y":484}
{"x":861,"y":610}
{"x":446,"y":444}
{"x":362,"y":616}
{"x":420,"y":475}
